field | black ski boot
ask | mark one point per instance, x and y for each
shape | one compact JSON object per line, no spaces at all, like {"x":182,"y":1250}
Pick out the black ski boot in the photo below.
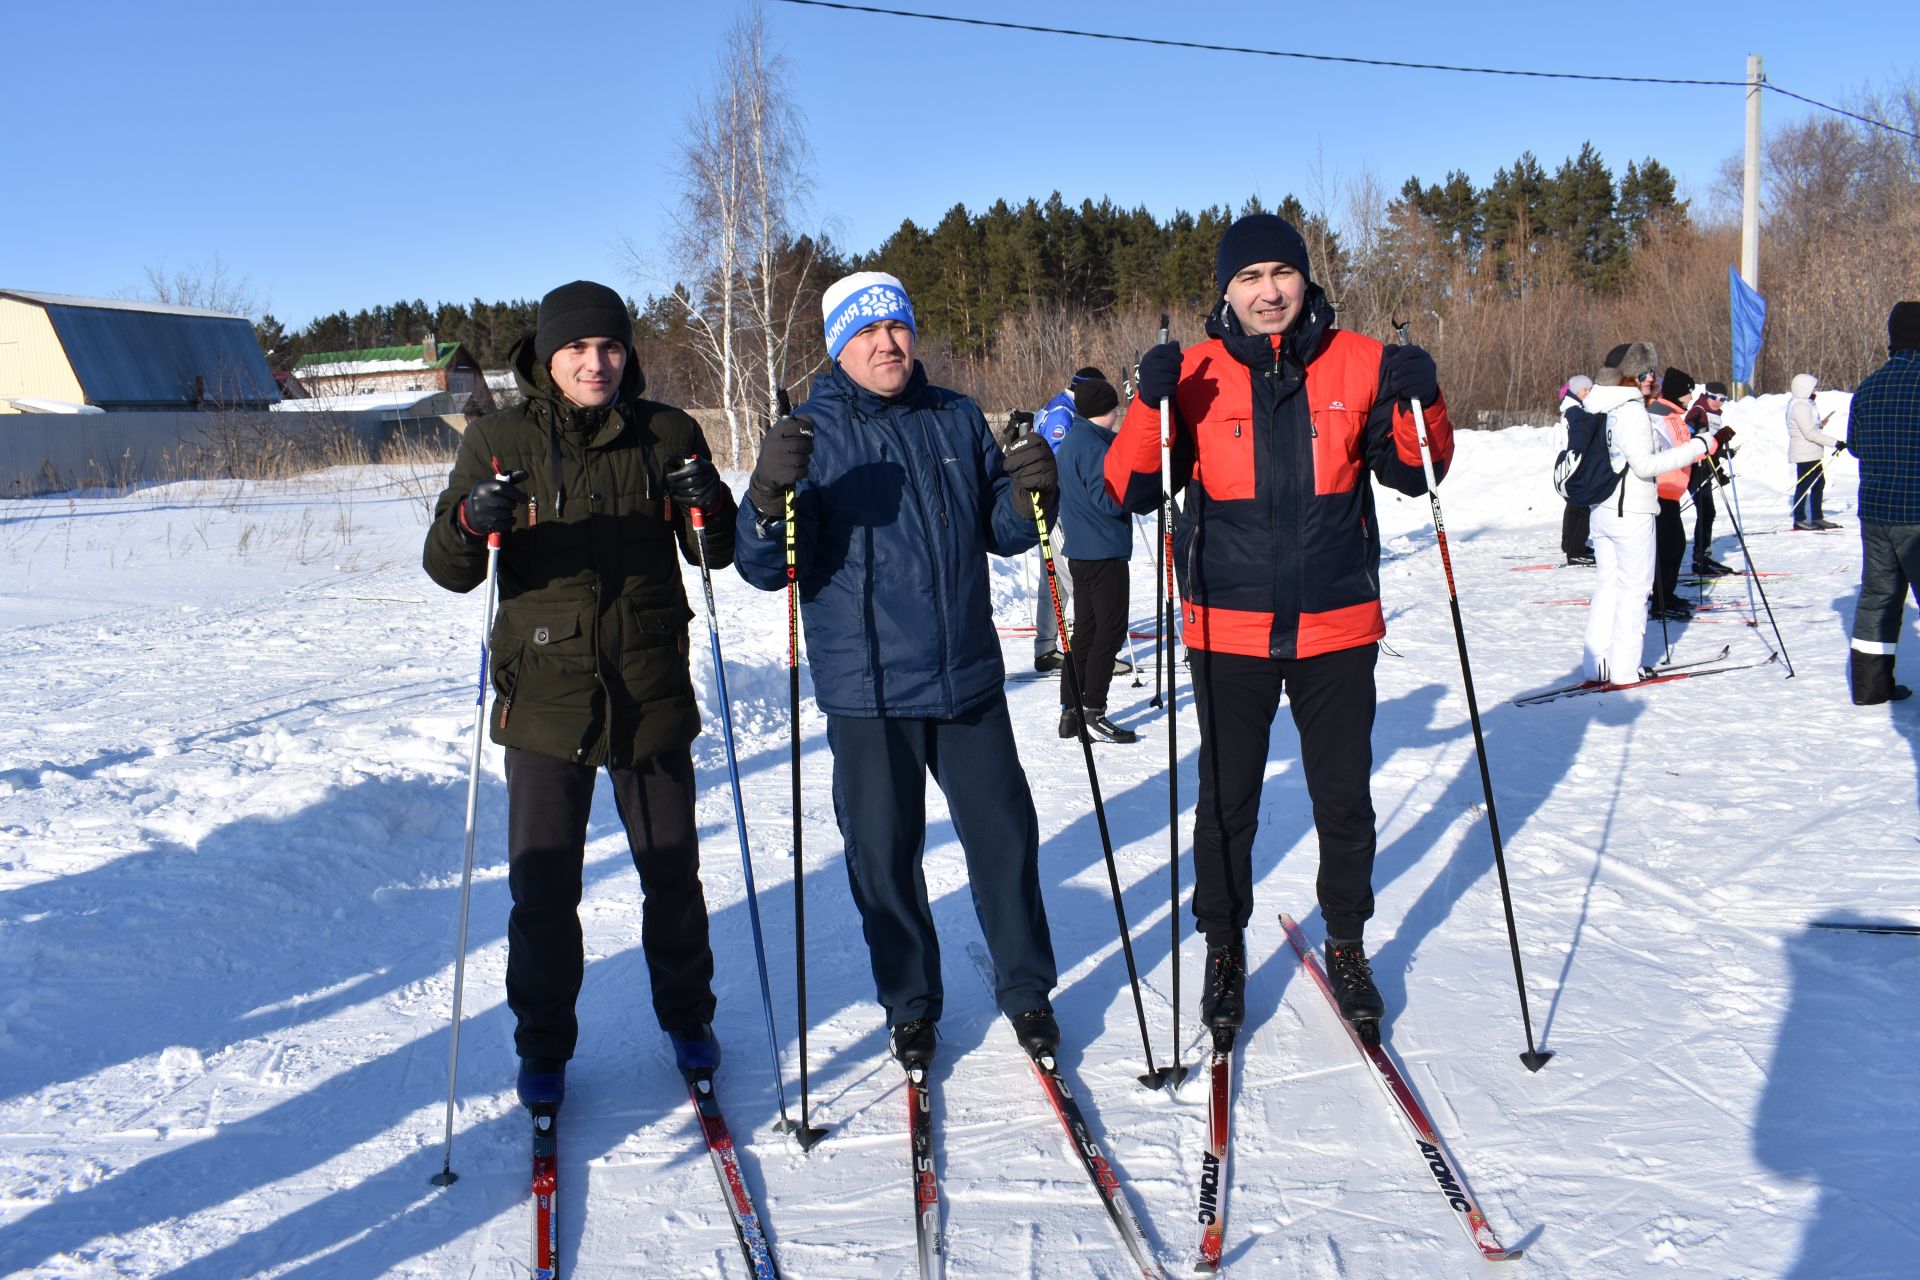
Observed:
{"x":1069,"y":723}
{"x":912,"y":1043}
{"x":1106,"y":730}
{"x":695,"y":1051}
{"x":1223,"y":992}
{"x":1037,"y":1031}
{"x":1353,"y":989}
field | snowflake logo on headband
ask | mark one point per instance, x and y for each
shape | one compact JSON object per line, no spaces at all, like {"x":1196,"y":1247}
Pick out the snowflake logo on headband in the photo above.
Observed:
{"x":879,"y":300}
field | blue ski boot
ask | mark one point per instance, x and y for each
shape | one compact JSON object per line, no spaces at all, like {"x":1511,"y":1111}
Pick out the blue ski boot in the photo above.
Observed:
{"x":695,"y":1051}
{"x":543,"y":1082}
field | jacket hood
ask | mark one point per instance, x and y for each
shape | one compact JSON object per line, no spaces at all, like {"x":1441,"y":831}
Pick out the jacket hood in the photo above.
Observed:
{"x":1607,"y":399}
{"x":1301,"y":343}
{"x":1803,"y":385}
{"x":535,"y":383}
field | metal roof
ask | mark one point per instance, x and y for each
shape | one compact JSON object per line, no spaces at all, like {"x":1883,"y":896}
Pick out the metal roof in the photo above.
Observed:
{"x":144,"y":354}
{"x":114,"y":304}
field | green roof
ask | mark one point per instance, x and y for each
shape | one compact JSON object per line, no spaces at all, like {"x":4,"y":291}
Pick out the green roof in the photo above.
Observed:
{"x":412,"y":351}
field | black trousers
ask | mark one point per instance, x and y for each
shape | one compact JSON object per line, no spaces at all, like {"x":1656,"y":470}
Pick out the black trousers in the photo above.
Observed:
{"x":1099,"y":628}
{"x":1573,"y":530}
{"x":1670,"y":547}
{"x":1703,"y":514}
{"x":880,"y":768}
{"x":548,"y":801}
{"x":1332,"y":696}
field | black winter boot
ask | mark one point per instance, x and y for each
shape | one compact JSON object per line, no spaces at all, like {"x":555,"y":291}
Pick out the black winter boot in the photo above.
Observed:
{"x":1353,"y":989}
{"x":1223,"y":991}
{"x":1872,"y":675}
{"x":1039,"y":1034}
{"x":1069,"y":723}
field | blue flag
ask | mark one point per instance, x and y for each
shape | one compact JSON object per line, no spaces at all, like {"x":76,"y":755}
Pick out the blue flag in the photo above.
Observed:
{"x":1749,"y":321}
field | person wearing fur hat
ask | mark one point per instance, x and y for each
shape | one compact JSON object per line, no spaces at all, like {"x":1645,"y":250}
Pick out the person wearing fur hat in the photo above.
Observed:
{"x":1883,"y":433}
{"x":1051,"y":426}
{"x":1807,"y":446}
{"x":1669,"y":411}
{"x":900,"y":493}
{"x":1639,"y":451}
{"x":1282,"y":421}
{"x":1102,"y":544}
{"x":589,"y":489}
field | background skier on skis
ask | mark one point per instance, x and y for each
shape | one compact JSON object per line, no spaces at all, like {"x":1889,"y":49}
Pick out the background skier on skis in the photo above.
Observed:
{"x":900,"y":493}
{"x":589,"y":659}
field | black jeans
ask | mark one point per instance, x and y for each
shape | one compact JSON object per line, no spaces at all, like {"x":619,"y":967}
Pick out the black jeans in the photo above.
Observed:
{"x":1574,"y":533}
{"x":548,"y":801}
{"x":1670,"y":547}
{"x":880,"y":768}
{"x":1099,"y":629}
{"x":1333,"y":703}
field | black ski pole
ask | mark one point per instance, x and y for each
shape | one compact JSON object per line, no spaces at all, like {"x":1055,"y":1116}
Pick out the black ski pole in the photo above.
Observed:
{"x":698,"y":518}
{"x":1753,"y":574}
{"x":804,"y":1132}
{"x":1155,"y":1078}
{"x":1534,"y":1058}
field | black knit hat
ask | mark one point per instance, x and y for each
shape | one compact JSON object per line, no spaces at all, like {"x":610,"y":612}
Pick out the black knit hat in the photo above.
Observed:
{"x":1093,"y":396}
{"x":1675,"y":385}
{"x":1903,"y":326}
{"x":1259,"y":237}
{"x":582,"y":309}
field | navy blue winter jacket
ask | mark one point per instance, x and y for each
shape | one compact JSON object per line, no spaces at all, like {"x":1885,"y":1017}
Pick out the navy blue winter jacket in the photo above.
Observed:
{"x":901,"y":504}
{"x":1097,"y":529}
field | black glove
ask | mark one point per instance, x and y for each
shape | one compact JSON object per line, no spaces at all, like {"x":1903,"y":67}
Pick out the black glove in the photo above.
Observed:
{"x":1840,"y":447}
{"x":1723,"y":435}
{"x":1031,"y":466}
{"x":1159,"y":372}
{"x":1407,"y":373}
{"x":694,"y":482}
{"x":785,"y":454}
{"x":489,"y":507}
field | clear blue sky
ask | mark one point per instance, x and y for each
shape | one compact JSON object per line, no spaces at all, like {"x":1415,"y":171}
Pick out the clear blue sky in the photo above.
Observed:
{"x":345,"y":155}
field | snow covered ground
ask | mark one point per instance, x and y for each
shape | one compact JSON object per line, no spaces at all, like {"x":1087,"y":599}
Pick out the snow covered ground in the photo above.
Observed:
{"x":232,"y":775}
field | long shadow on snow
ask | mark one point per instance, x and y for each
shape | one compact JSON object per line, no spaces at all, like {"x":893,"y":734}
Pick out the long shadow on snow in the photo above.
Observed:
{"x":1841,"y":1108}
{"x":279,"y":942}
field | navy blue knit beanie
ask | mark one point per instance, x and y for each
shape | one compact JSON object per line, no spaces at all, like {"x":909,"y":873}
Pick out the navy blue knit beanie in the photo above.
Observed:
{"x":1259,"y":237}
{"x":1903,"y":327}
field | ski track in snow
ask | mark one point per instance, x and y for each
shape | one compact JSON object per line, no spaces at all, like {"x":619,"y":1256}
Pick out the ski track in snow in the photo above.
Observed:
{"x":231,"y":813}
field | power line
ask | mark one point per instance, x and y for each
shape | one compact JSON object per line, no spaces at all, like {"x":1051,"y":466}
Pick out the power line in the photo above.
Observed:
{"x":1327,"y":57}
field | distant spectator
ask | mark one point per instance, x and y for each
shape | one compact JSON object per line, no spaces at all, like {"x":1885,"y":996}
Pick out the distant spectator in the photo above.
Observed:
{"x":1883,"y":432}
{"x":1807,"y":447}
{"x":1574,"y":542}
{"x":1051,"y":426}
{"x":1102,"y":542}
{"x":1703,"y":419}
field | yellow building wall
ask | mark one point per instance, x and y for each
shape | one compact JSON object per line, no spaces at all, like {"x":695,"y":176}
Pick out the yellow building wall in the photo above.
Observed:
{"x":32,"y":361}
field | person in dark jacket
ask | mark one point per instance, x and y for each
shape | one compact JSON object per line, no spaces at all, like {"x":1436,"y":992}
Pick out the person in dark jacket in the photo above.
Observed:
{"x":1669,"y":412}
{"x":1051,"y":426}
{"x":1575,"y":539}
{"x":589,"y":487}
{"x":1883,"y":433}
{"x":1278,"y":420}
{"x":1703,"y":419}
{"x":1102,"y":542}
{"x":900,"y":493}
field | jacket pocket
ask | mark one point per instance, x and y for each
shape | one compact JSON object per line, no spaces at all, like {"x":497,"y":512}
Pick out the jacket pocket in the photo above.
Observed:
{"x":542,"y":666}
{"x":1224,"y":462}
{"x":653,"y":654}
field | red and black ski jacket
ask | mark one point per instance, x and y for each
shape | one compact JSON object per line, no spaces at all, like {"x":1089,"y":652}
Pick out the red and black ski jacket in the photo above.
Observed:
{"x":1277,"y":550}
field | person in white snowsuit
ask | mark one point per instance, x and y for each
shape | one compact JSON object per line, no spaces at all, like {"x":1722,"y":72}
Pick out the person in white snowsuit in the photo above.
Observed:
{"x":1807,"y":447}
{"x":1622,"y":526}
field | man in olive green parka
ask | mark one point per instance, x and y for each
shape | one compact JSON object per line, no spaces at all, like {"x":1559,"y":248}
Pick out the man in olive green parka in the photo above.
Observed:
{"x":590,"y":488}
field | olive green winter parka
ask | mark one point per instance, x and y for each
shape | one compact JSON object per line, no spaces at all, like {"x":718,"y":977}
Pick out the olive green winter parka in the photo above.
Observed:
{"x":589,"y":647}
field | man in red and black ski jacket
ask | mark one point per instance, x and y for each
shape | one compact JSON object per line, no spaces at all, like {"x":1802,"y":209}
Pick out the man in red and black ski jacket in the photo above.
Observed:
{"x":1278,"y":418}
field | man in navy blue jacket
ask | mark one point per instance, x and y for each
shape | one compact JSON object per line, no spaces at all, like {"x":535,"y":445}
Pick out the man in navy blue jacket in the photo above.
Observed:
{"x":900,"y":493}
{"x":1102,"y":541}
